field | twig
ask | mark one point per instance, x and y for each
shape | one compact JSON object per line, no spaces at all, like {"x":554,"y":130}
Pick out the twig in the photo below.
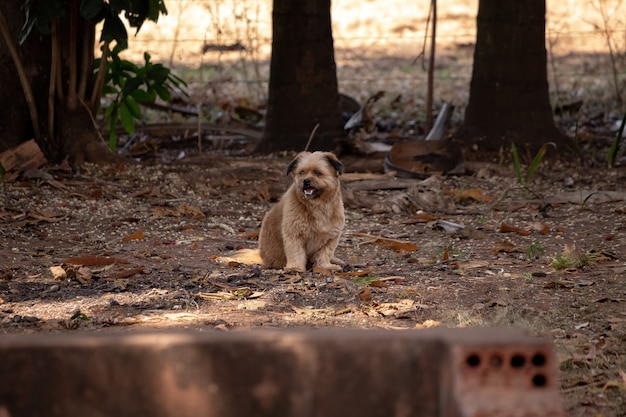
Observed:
{"x":306,"y":148}
{"x":99,"y":84}
{"x":431,"y":71}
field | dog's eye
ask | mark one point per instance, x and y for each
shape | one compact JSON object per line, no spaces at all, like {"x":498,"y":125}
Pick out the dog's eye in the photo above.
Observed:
{"x":317,"y":174}
{"x":302,"y":172}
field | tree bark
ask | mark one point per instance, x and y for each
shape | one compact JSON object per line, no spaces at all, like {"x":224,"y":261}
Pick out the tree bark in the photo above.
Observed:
{"x":15,"y":122}
{"x":509,"y":95}
{"x":303,"y":79}
{"x":75,"y":136}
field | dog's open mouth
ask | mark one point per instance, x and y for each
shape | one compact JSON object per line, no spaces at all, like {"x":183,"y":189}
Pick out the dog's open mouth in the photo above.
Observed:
{"x":310,"y":192}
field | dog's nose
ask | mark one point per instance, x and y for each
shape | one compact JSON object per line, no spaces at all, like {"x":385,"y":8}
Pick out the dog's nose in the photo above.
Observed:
{"x":306,"y":182}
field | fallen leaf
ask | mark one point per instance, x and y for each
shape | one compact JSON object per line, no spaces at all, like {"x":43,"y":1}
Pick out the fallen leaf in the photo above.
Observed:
{"x":365,"y":280}
{"x":138,"y":235}
{"x":83,"y":275}
{"x":506,"y":246}
{"x":506,"y":228}
{"x":58,"y":272}
{"x":365,"y":294}
{"x":125,"y":273}
{"x":559,"y":284}
{"x":421,"y":217}
{"x":394,"y":244}
{"x":355,"y":273}
{"x":427,"y":324}
{"x":475,"y":194}
{"x":92,"y":260}
{"x":472,"y":264}
{"x":449,"y":227}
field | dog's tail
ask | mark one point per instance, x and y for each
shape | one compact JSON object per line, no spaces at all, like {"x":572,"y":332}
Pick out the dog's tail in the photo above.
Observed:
{"x":243,"y":256}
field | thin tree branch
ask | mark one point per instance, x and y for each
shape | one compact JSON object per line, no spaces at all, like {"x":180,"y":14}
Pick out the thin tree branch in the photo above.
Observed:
{"x":431,"y":71}
{"x":19,"y":66}
{"x":54,"y":67}
{"x":99,"y":84}
{"x":72,"y":101}
{"x":86,"y":64}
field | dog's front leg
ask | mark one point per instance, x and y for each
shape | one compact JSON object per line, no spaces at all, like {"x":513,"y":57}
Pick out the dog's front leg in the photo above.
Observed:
{"x":296,"y":255}
{"x":324,"y":256}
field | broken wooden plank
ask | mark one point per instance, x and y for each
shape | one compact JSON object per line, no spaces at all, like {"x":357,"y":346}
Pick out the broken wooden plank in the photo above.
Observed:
{"x":24,"y":156}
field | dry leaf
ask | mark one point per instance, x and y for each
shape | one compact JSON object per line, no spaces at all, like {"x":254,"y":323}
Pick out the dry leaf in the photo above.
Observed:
{"x":449,"y":227}
{"x":394,"y":244}
{"x":475,"y":194}
{"x":125,"y":273}
{"x":506,"y":228}
{"x":505,"y":246}
{"x":58,"y":272}
{"x":421,"y":217}
{"x":355,"y":273}
{"x":92,"y":260}
{"x":138,"y":235}
{"x":83,"y":275}
{"x":365,"y":294}
{"x":472,"y":264}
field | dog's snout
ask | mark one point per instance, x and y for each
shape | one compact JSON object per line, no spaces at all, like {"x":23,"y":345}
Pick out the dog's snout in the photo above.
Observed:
{"x":306,"y":182}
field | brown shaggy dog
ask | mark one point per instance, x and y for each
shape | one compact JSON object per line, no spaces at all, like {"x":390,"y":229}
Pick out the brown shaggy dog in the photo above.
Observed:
{"x":304,"y":227}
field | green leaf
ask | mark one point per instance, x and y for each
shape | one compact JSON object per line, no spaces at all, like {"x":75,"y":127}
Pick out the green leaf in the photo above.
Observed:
{"x":92,"y":9}
{"x":537,"y":160}
{"x":131,"y":85}
{"x":133,"y":107}
{"x":365,"y":280}
{"x":128,"y":122}
{"x":142,"y":96}
{"x":120,"y":5}
{"x":113,"y":30}
{"x":162,"y":92}
{"x":111,"y":113}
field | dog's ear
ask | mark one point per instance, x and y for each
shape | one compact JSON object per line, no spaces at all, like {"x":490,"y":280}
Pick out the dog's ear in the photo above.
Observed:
{"x":334,"y":162}
{"x":292,"y":165}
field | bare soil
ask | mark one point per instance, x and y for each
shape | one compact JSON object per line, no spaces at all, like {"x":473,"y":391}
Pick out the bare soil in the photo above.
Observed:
{"x":146,"y":246}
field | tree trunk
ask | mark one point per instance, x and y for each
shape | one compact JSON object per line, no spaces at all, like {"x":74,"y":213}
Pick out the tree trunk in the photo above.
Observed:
{"x":509,"y":97}
{"x":303,"y":79}
{"x":15,"y":122}
{"x":74,"y":134}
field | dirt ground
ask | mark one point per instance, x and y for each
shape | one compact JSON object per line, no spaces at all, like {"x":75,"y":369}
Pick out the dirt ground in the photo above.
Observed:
{"x":146,"y":246}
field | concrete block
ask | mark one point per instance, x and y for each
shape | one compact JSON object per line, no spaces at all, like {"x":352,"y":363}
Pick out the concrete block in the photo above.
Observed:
{"x":314,"y":373}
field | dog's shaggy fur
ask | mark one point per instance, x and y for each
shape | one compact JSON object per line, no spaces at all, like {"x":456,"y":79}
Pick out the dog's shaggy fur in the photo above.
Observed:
{"x":304,"y":227}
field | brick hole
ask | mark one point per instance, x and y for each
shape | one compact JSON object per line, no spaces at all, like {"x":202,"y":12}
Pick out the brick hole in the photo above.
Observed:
{"x":473,"y":361}
{"x":540,"y":381}
{"x":538,"y":359}
{"x":518,"y":361}
{"x":495,"y":361}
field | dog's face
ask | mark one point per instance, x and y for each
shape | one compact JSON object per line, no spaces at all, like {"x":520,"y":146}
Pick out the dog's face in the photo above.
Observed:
{"x":315,"y":174}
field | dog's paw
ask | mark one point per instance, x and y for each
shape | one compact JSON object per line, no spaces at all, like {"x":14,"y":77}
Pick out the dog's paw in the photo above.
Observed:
{"x":294,"y":268}
{"x":326,"y":269}
{"x":337,"y":261}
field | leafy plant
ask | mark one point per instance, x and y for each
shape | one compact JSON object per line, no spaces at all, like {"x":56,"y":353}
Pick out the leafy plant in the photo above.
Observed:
{"x":129,"y":85}
{"x":616,"y":143}
{"x":73,"y":94}
{"x":535,"y":251}
{"x":525,"y":180}
{"x":562,"y":261}
{"x":365,"y":280}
